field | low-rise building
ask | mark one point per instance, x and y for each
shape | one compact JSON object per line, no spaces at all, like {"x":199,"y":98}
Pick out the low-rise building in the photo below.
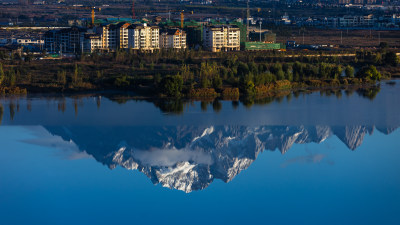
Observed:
{"x":221,"y":38}
{"x":29,"y":41}
{"x":173,"y":39}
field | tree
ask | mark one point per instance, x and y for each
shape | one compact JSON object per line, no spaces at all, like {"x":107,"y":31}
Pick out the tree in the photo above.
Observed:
{"x":243,"y":69}
{"x":247,"y":85}
{"x":62,"y":77}
{"x":1,"y":74}
{"x":75,"y":76}
{"x":172,"y":85}
{"x":157,"y":79}
{"x":336,"y":71}
{"x":205,"y":82}
{"x":349,"y":71}
{"x":217,"y":82}
{"x":122,"y":81}
{"x":11,"y":78}
{"x":391,"y":58}
{"x":369,"y":73}
{"x":383,"y":45}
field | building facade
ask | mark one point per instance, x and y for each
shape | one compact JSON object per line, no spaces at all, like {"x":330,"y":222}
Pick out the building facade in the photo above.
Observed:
{"x":68,"y":40}
{"x":143,"y":37}
{"x":173,"y":39}
{"x":221,"y":38}
{"x":115,"y":36}
{"x":92,"y":42}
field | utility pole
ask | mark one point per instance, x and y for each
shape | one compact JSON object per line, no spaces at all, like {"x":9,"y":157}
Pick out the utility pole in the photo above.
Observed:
{"x":248,"y":22}
{"x":260,"y":30}
{"x":379,"y":37}
{"x":341,"y":37}
{"x":133,"y":9}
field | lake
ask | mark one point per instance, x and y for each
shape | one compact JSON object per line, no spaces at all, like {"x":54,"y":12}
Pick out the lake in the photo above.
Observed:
{"x":323,"y":157}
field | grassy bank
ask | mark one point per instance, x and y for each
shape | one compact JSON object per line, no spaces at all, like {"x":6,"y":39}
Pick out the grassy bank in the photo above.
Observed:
{"x":196,"y":74}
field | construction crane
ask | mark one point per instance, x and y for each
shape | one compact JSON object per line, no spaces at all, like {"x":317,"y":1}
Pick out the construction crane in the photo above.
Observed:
{"x":183,"y":18}
{"x":133,"y":9}
{"x":93,"y":9}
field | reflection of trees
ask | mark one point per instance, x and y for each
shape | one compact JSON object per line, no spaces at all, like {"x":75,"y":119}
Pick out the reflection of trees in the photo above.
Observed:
{"x":12,"y":110}
{"x":98,"y":101}
{"x":76,"y":107}
{"x":370,"y":92}
{"x":1,"y":113}
{"x":170,"y":106}
{"x":29,"y":105}
{"x":203,"y":106}
{"x":217,"y":105}
{"x":235,"y":104}
{"x":62,"y":105}
{"x":177,"y":105}
{"x":349,"y":92}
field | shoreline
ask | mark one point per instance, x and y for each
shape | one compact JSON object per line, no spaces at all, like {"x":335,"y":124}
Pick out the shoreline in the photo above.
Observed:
{"x":132,"y":95}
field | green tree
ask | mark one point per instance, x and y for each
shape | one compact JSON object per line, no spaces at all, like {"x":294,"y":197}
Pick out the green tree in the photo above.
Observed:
{"x":157,"y":79}
{"x":247,"y":85}
{"x":1,"y":74}
{"x":122,"y":81}
{"x":11,"y":78}
{"x":242,"y":69}
{"x":336,"y":71}
{"x":205,"y":82}
{"x":391,"y":59}
{"x":75,"y":76}
{"x":349,"y":71}
{"x":172,"y":85}
{"x":217,"y":82}
{"x":62,"y":77}
{"x":383,"y":45}
{"x":369,"y":73}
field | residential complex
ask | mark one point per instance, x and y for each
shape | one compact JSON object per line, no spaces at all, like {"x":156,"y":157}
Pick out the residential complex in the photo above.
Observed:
{"x":112,"y":37}
{"x":221,"y":38}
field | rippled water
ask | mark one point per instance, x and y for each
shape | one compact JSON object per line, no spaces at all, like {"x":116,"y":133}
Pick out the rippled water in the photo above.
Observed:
{"x":328,"y":157}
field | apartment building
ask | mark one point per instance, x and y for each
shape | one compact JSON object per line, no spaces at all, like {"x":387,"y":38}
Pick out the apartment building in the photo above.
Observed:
{"x":356,"y":21}
{"x":68,"y":40}
{"x":351,"y":21}
{"x":92,"y":42}
{"x":115,"y":36}
{"x":173,"y":39}
{"x":221,"y":38}
{"x":143,"y":37}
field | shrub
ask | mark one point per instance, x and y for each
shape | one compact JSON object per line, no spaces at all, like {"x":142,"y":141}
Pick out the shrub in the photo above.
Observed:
{"x":172,"y":86}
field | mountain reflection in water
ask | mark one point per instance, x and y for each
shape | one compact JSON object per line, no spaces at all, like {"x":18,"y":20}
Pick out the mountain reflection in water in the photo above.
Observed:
{"x":189,"y":158}
{"x":185,"y":146}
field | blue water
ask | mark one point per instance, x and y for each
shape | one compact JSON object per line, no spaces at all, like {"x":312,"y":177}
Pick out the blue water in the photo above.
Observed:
{"x":297,"y":161}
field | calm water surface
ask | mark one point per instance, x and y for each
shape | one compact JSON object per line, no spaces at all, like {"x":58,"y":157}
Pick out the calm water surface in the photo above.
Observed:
{"x":315,"y":158}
